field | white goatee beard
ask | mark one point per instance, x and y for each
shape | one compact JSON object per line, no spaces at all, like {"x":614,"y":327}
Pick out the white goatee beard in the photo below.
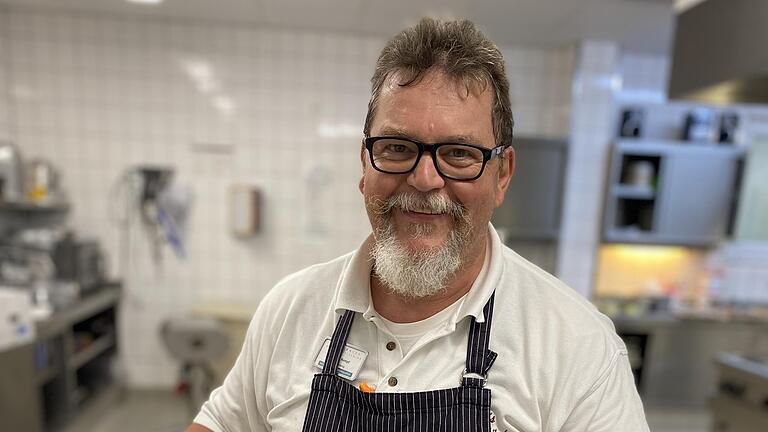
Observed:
{"x":420,"y":274}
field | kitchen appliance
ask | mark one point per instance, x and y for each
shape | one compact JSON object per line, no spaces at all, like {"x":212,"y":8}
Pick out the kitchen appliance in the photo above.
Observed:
{"x":16,"y":327}
{"x":79,"y":261}
{"x":719,"y":53}
{"x":699,"y":125}
{"x":41,"y":182}
{"x":11,"y":186}
{"x":741,"y":402}
{"x":729,"y":124}
{"x":631,"y":123}
{"x":15,"y":266}
{"x":30,"y":268}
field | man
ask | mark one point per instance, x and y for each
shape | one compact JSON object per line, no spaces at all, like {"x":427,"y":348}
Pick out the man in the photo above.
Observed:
{"x":432,"y":324}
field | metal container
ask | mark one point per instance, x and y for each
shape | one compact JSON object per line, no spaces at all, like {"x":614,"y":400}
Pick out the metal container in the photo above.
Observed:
{"x":11,"y":186}
{"x":80,"y":261}
{"x":41,"y":181}
{"x":699,"y":125}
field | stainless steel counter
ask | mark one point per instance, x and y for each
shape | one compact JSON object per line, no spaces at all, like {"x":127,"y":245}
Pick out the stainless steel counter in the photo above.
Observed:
{"x":741,"y":403}
{"x":676,"y":355}
{"x":47,"y":382}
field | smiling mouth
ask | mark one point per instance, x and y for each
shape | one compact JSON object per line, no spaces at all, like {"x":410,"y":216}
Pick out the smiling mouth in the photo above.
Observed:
{"x":415,"y":216}
{"x":426,"y":212}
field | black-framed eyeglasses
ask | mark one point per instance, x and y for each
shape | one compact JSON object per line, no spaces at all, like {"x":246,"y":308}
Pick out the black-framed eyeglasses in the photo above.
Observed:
{"x":398,"y":155}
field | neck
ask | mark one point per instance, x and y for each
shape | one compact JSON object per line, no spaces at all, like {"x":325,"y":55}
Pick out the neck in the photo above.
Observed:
{"x":405,"y":310}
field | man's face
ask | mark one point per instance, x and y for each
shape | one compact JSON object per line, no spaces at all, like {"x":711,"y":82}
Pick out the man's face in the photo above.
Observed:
{"x":436,"y":109}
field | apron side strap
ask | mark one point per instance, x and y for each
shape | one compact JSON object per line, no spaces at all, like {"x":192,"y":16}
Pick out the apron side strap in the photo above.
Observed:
{"x":479,"y":357}
{"x":473,"y":379}
{"x":473,"y":382}
{"x":489,"y":359}
{"x":338,"y":342}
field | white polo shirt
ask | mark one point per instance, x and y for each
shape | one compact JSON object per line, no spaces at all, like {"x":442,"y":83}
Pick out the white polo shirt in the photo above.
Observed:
{"x":560,"y":366}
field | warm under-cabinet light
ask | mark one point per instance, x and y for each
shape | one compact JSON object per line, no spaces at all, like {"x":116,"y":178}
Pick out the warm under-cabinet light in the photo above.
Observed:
{"x":151,"y":2}
{"x":648,"y":253}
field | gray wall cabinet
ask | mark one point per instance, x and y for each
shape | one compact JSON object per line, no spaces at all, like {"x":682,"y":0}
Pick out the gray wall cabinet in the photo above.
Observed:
{"x":531,"y":209}
{"x":662,"y":192}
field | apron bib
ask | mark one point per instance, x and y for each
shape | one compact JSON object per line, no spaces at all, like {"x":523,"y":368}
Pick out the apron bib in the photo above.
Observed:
{"x":336,"y":405}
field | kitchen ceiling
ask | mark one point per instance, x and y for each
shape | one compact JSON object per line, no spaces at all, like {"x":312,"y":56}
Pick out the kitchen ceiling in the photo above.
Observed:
{"x":637,"y":25}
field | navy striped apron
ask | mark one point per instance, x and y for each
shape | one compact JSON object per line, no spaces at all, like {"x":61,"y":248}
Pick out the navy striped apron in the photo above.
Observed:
{"x":336,"y":405}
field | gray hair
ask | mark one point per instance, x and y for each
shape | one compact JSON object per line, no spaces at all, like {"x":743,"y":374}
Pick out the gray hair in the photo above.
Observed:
{"x":456,"y":48}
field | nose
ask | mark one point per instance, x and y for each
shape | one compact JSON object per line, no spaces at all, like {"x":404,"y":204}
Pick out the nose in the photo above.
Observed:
{"x":425,"y":177}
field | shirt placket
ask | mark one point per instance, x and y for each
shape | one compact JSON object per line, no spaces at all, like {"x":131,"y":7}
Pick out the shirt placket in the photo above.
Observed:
{"x":390,"y":361}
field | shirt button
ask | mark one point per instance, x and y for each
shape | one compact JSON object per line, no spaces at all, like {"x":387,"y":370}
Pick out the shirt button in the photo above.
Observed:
{"x":391,"y":346}
{"x":392,"y":381}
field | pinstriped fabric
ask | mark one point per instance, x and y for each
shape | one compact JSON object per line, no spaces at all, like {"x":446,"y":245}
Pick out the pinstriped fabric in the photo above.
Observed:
{"x":337,"y":406}
{"x":338,"y":340}
{"x":479,"y":357}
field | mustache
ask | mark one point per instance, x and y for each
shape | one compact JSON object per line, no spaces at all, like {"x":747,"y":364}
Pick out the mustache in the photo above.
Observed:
{"x":433,"y":203}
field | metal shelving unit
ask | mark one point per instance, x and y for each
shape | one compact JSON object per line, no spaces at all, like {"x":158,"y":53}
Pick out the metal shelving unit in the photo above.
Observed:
{"x":23,"y":214}
{"x":56,"y":377}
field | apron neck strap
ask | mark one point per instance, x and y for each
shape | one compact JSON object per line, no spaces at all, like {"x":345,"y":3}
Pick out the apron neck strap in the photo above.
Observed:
{"x":338,"y":341}
{"x":479,"y":357}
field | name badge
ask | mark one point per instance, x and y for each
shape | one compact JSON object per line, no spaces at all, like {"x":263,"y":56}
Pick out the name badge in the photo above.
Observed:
{"x":352,"y":359}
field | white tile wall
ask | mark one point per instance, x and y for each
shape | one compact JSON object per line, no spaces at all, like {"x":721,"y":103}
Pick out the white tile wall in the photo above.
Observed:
{"x":540,"y":87}
{"x":643,"y":78}
{"x":98,"y":94}
{"x":5,"y":131}
{"x":593,"y":112}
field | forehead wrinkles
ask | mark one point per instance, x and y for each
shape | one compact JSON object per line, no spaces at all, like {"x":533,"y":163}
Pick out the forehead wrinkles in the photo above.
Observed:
{"x":440,"y":84}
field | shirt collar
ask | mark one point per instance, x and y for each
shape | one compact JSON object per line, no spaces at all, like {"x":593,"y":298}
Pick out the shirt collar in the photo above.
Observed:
{"x":354,"y":287}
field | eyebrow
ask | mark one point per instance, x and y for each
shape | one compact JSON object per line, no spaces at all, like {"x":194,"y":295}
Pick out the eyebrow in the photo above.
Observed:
{"x":458,"y":139}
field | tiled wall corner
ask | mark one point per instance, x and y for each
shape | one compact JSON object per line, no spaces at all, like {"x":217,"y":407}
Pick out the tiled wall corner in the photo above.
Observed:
{"x":98,"y":95}
{"x":644,"y":78}
{"x":540,"y":89}
{"x":593,"y":112}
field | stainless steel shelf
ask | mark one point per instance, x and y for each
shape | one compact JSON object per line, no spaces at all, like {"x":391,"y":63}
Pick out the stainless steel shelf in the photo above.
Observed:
{"x":23,"y":206}
{"x":84,"y":308}
{"x":79,"y":359}
{"x":633,"y":192}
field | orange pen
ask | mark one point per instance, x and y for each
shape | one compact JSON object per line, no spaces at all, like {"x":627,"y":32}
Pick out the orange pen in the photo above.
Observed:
{"x":365,"y":388}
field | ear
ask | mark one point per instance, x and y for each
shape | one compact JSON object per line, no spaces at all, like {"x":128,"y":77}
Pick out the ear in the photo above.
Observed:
{"x":362,"y":154}
{"x":361,"y":185}
{"x":506,"y":170}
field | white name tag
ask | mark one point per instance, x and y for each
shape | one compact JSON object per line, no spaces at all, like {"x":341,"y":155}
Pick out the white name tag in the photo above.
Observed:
{"x":351,"y":362}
